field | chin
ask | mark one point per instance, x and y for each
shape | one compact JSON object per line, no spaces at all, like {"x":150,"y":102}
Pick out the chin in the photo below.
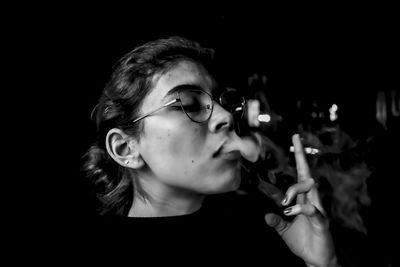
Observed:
{"x":231,"y":185}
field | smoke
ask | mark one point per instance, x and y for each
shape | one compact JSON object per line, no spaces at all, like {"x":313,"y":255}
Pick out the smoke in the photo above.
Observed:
{"x":249,"y":146}
{"x":342,"y":165}
{"x":339,"y":169}
{"x":349,"y":193}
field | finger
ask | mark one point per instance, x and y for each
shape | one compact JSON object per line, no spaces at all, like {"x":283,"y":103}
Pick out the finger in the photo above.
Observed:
{"x":315,"y":216}
{"x":271,"y":191}
{"x":313,"y":198}
{"x":306,"y":209}
{"x":303,"y":171}
{"x":276,"y":222}
{"x":296,"y":189}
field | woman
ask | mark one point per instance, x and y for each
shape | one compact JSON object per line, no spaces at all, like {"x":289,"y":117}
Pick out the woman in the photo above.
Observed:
{"x":166,"y":140}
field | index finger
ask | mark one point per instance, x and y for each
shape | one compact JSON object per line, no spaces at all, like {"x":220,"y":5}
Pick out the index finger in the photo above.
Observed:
{"x":303,"y":171}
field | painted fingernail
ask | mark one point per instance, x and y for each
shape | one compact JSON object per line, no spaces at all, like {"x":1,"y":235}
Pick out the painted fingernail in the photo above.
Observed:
{"x":287,"y":211}
{"x":284,"y":201}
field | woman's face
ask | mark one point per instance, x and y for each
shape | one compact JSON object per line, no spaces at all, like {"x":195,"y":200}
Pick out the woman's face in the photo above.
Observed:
{"x":181,"y":154}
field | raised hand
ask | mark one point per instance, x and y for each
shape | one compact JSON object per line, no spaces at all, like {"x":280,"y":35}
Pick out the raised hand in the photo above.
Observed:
{"x":308,"y":234}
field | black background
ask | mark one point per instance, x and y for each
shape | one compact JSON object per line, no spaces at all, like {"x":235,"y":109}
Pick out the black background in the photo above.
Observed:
{"x":61,"y":57}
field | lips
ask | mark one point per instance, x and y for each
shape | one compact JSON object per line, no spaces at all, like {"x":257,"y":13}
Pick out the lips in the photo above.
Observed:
{"x":231,"y":155}
{"x":226,"y":150}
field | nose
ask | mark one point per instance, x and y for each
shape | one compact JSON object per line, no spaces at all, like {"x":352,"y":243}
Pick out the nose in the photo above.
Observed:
{"x":221,"y":119}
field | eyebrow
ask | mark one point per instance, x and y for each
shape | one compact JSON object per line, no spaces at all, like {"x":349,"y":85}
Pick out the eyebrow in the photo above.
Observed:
{"x":181,"y":87}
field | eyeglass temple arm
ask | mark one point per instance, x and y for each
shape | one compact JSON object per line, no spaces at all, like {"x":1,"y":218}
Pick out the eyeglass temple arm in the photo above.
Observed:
{"x":156,"y":110}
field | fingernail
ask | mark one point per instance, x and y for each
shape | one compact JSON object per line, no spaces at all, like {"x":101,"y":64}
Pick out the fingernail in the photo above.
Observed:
{"x":287,"y":211}
{"x":284,"y":201}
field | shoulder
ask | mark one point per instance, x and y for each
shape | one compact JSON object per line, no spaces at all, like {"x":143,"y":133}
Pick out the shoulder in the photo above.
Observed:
{"x":230,"y":236}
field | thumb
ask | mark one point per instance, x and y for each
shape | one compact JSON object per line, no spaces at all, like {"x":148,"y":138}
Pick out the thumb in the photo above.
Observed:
{"x":276,"y":222}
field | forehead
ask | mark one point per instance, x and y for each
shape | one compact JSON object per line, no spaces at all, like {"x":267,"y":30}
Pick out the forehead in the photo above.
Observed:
{"x":184,"y":72}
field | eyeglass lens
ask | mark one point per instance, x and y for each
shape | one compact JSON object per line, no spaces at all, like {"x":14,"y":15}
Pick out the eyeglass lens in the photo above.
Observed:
{"x":198,"y":104}
{"x":232,"y":101}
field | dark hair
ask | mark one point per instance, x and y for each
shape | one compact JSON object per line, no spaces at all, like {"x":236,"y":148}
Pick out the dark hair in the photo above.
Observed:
{"x":119,"y":104}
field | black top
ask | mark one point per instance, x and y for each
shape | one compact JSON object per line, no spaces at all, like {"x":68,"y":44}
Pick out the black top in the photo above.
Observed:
{"x":228,"y":229}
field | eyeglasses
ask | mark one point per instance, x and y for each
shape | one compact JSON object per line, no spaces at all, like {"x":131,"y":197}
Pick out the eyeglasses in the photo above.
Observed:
{"x":198,"y":105}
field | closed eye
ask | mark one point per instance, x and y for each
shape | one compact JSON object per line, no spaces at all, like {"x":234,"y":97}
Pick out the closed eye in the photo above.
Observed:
{"x":195,"y":108}
{"x":176,"y":107}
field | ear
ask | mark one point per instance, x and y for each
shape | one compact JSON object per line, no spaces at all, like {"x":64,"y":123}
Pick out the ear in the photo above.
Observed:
{"x":123,"y":149}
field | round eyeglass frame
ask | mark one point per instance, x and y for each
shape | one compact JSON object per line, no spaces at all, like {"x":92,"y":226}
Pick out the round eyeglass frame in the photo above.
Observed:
{"x":178,"y":99}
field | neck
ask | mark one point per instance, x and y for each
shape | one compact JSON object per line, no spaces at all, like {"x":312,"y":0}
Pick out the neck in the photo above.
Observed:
{"x":165,"y":201}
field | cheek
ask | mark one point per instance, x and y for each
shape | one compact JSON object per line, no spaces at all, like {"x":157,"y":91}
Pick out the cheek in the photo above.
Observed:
{"x":177,"y":142}
{"x":187,"y":143}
